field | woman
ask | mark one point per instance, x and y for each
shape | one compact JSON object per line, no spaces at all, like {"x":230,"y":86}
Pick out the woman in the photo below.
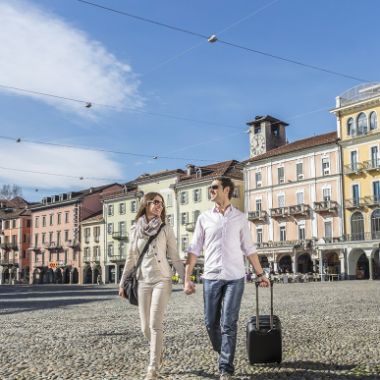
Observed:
{"x":154,"y":274}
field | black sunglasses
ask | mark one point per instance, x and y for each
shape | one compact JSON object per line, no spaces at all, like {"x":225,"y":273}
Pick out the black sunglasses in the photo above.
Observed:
{"x":214,"y":187}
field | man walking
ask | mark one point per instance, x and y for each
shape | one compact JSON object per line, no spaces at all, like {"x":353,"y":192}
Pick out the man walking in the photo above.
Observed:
{"x":223,"y":234}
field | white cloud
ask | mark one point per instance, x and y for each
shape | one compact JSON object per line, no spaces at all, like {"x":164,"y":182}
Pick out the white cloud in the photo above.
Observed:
{"x":56,"y":160}
{"x":41,"y":52}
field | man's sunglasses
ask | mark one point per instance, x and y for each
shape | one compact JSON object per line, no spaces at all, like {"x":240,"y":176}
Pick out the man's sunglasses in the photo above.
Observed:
{"x":156,"y":202}
{"x":214,"y":187}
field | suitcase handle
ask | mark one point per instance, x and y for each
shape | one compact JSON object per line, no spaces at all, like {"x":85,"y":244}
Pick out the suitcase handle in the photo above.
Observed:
{"x":257,"y":282}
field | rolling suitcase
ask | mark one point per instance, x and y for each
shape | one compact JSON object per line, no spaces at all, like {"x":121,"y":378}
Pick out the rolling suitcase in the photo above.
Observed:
{"x":264,"y":340}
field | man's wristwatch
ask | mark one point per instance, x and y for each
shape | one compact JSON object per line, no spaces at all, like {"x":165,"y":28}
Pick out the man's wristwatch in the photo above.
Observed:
{"x":260,"y":274}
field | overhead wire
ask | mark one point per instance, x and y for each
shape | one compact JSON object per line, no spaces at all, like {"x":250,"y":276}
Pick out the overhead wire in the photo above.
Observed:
{"x":214,"y":38}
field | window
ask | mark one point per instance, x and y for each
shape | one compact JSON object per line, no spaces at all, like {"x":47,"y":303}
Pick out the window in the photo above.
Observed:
{"x":58,"y":238}
{"x":355,"y":194}
{"x":372,"y":121}
{"x":354,"y":160}
{"x":196,"y":214}
{"x":59,"y":217}
{"x":122,"y":227}
{"x":257,"y":130}
{"x":282,"y":233}
{"x":375,"y":224}
{"x":184,"y":242}
{"x":299,"y":196}
{"x":259,"y":235}
{"x":169,"y":200}
{"x":325,"y":166}
{"x":51,"y":219}
{"x":258,"y":179}
{"x":109,"y":228}
{"x":299,"y":170}
{"x":50,"y":238}
{"x":110,"y":210}
{"x":374,"y":157}
{"x":122,"y":249}
{"x":350,"y":127}
{"x":44,"y":221}
{"x":170,"y":219}
{"x":122,"y":208}
{"x":184,"y":218}
{"x":281,"y":175}
{"x":87,"y":234}
{"x":328,"y":229}
{"x":36,"y":240}
{"x":36,"y":222}
{"x":110,"y":249}
{"x":362,"y":124}
{"x":133,"y":206}
{"x":258,"y":204}
{"x":66,"y":235}
{"x":301,"y":232}
{"x":96,"y":233}
{"x":376,"y":191}
{"x":235,"y":193}
{"x":275,"y":130}
{"x":67,"y":217}
{"x":326,"y":194}
{"x":197,"y":195}
{"x":28,"y":223}
{"x":14,"y":223}
{"x":183,"y":197}
{"x":43,"y":237}
{"x":281,"y":200}
{"x":357,"y":226}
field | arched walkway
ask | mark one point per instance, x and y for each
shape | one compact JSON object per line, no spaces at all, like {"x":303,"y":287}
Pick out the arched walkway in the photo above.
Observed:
{"x":332,"y":263}
{"x":264,"y":261}
{"x":304,"y":263}
{"x":362,"y":268}
{"x":376,"y":264}
{"x":75,"y":276}
{"x":87,"y":275}
{"x":285,"y":264}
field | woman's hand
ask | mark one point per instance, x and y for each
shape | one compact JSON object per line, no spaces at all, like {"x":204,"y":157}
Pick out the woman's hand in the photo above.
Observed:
{"x":121,"y":293}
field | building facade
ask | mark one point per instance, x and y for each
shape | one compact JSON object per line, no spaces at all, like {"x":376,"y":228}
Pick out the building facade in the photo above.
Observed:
{"x":293,"y":199}
{"x":357,"y":113}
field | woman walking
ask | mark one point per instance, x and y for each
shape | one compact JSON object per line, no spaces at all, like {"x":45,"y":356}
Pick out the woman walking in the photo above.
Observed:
{"x":154,"y":273}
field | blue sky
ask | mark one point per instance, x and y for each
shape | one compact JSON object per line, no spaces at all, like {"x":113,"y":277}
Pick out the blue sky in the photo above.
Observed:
{"x":70,"y":49}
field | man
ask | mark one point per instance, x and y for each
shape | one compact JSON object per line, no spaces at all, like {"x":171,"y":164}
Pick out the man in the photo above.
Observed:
{"x":224,"y":236}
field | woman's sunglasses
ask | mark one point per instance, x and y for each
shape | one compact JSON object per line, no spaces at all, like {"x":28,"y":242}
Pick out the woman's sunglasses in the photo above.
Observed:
{"x":156,"y":202}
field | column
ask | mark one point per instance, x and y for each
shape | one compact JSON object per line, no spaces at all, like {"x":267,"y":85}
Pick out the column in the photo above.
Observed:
{"x":116,"y":273}
{"x":294,"y":263}
{"x":370,"y":266}
{"x":320,"y":254}
{"x":342,"y":264}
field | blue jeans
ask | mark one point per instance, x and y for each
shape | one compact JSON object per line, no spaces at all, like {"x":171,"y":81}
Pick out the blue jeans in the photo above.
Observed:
{"x":222,"y":301}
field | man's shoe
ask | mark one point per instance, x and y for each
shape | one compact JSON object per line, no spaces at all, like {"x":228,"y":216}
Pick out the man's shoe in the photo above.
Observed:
{"x":161,"y":363}
{"x":151,"y":374}
{"x":225,"y":376}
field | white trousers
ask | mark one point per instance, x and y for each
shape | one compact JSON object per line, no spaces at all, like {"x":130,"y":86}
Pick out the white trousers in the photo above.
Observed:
{"x":153,"y":299}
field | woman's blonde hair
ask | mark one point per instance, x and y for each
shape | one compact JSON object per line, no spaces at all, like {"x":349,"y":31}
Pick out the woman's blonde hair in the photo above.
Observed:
{"x":144,"y":203}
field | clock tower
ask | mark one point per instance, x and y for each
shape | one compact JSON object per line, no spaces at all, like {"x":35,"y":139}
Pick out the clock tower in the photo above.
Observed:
{"x":266,"y":133}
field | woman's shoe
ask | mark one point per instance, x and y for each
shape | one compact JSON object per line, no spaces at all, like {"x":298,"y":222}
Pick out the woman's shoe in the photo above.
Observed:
{"x":151,"y":374}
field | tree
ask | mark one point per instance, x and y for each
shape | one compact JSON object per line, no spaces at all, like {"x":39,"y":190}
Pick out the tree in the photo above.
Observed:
{"x":10,"y":191}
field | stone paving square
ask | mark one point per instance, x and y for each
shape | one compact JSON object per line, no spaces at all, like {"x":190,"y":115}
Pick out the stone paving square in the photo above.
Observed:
{"x":330,"y":331}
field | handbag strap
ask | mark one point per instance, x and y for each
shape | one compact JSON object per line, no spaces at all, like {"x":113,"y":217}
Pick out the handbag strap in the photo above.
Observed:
{"x":151,"y":238}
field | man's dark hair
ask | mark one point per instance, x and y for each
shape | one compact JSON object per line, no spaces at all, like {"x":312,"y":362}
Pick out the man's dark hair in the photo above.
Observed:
{"x":226,"y":182}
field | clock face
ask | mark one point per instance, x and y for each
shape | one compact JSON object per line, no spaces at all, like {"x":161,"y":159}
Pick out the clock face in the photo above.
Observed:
{"x":257,"y":145}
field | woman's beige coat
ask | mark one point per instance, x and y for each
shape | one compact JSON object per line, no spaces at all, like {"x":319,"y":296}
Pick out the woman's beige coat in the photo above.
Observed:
{"x":164,"y":246}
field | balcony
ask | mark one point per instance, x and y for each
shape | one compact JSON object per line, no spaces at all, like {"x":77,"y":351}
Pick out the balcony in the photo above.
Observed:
{"x":96,"y":258}
{"x":120,"y":257}
{"x":372,"y":166}
{"x":279,"y":212}
{"x":372,"y":202}
{"x":190,"y":227}
{"x":53,"y":247}
{"x":72,"y":243}
{"x":326,"y":207}
{"x":300,"y":210}
{"x":120,"y":235}
{"x":6,"y":246}
{"x":86,"y":258}
{"x":359,"y":236}
{"x":353,"y":169}
{"x":257,"y":216}
{"x":355,"y":203}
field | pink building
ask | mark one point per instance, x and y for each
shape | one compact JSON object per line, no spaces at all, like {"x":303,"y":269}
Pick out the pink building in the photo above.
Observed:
{"x":55,"y":243}
{"x":293,"y":199}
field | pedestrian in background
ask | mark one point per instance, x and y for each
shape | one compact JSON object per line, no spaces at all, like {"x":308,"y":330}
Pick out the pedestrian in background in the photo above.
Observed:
{"x":154,"y":273}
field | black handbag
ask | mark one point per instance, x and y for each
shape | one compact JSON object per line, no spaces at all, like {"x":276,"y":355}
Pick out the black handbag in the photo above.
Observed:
{"x":131,"y":282}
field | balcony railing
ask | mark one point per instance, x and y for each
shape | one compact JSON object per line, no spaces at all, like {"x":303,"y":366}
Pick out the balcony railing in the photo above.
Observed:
{"x":353,"y":168}
{"x":54,"y":247}
{"x":305,"y":244}
{"x":72,"y":243}
{"x":190,"y":227}
{"x":6,"y":246}
{"x":326,"y":207}
{"x":372,"y":201}
{"x":299,"y":210}
{"x":372,"y":165}
{"x":86,"y":258}
{"x":96,"y":258}
{"x":119,"y":257}
{"x":279,"y":212}
{"x":257,"y":216}
{"x":120,"y":235}
{"x":355,"y":203}
{"x":359,"y":236}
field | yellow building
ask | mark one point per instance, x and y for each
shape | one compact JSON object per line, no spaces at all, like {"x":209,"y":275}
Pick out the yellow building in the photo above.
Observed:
{"x":357,"y":113}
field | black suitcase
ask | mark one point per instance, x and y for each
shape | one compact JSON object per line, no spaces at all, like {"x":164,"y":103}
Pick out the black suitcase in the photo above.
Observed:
{"x":264,"y":340}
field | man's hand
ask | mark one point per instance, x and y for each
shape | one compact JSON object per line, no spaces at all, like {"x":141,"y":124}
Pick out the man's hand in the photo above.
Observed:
{"x":121,"y":293}
{"x":264,"y":281}
{"x":189,"y":287}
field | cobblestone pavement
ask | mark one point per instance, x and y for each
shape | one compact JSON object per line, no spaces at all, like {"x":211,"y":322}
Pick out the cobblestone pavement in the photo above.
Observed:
{"x":330,"y":331}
